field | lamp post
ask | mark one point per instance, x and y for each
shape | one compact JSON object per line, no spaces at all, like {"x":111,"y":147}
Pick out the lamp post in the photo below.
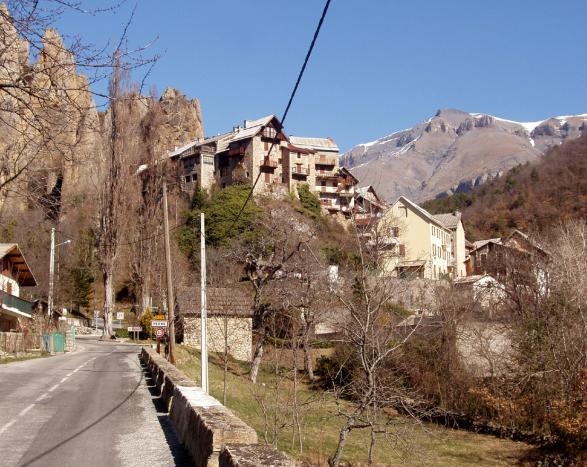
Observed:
{"x":52,"y":271}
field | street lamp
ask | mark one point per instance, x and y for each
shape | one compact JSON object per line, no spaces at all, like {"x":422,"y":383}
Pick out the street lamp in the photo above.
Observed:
{"x":52,"y":271}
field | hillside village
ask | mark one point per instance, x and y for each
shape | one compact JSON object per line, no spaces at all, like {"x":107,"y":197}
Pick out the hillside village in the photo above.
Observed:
{"x":311,"y":291}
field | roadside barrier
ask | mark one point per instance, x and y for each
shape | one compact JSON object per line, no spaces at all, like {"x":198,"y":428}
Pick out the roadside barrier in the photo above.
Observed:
{"x":210,"y":432}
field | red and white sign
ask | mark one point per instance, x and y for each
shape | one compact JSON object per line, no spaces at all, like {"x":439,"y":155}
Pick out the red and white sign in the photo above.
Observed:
{"x":159,"y":332}
{"x":159,"y":323}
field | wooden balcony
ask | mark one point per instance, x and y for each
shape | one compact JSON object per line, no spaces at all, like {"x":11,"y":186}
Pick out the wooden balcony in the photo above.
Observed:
{"x":269,"y":162}
{"x":327,"y":175}
{"x":325,"y":160}
{"x":303,"y":171}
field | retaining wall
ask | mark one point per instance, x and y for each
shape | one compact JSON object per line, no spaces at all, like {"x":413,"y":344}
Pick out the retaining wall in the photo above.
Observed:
{"x":210,"y":432}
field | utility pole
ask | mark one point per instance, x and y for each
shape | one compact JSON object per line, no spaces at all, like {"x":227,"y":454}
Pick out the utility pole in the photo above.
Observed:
{"x":51,"y":274}
{"x":203,"y":312}
{"x":170,"y":299}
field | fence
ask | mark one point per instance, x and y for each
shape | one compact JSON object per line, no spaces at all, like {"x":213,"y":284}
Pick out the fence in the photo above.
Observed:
{"x":18,"y":342}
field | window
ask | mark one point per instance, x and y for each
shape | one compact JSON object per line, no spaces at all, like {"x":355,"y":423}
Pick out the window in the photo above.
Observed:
{"x":395,"y":232}
{"x":402,"y":250}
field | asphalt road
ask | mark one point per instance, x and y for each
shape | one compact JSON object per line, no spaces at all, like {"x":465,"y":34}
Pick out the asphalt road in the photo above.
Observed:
{"x":90,"y":407}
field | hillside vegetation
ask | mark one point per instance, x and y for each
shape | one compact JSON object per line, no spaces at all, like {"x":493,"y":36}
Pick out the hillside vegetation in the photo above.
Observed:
{"x":530,"y":197}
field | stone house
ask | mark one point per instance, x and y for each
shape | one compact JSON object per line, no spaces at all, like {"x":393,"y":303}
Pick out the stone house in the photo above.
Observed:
{"x":15,"y":273}
{"x":229,"y":322}
{"x":260,"y":151}
{"x":501,"y":256}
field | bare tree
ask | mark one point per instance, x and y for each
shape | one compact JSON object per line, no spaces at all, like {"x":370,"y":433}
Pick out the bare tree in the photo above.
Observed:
{"x":265,"y":259}
{"x":372,"y":337}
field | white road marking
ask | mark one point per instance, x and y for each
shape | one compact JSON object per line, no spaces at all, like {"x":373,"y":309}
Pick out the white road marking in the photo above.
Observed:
{"x":25,"y":410}
{"x":53,"y":388}
{"x":8,"y":425}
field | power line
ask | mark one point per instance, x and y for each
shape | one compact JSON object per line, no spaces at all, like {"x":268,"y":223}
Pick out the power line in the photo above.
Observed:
{"x":291,"y":97}
{"x":273,"y":143}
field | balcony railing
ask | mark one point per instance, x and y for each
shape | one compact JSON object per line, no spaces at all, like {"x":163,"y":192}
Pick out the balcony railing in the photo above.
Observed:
{"x":300,"y":170}
{"x":268,"y":162}
{"x":326,"y":160}
{"x":15,"y":303}
{"x":327,"y":189}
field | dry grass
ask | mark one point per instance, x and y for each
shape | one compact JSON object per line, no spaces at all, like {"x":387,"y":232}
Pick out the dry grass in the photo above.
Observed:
{"x":406,"y":442}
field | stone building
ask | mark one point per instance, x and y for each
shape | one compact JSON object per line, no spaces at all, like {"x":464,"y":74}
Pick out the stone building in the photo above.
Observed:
{"x":229,"y":323}
{"x":261,"y":153}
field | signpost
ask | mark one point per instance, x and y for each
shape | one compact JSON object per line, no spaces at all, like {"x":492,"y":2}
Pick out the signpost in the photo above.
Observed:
{"x":159,"y":325}
{"x":135,"y":330}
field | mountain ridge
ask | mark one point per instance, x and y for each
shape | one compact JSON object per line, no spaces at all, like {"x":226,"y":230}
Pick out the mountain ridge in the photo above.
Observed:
{"x":454,"y":151}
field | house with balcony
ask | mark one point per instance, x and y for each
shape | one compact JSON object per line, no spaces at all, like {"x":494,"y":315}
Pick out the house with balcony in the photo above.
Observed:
{"x":368,"y":209}
{"x":415,"y":243}
{"x":240,"y":156}
{"x":261,"y":151}
{"x":14,"y":275}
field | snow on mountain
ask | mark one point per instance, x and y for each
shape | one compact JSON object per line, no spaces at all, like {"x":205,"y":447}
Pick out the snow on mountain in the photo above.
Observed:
{"x":454,"y":151}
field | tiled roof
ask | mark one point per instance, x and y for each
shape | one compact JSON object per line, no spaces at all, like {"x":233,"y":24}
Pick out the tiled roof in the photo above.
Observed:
{"x":450,"y":220}
{"x":259,"y":122}
{"x":429,"y":217}
{"x":480,"y":243}
{"x":220,"y":301}
{"x":317,"y":144}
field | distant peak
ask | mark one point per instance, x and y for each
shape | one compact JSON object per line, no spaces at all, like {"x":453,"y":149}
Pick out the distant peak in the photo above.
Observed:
{"x":449,"y":112}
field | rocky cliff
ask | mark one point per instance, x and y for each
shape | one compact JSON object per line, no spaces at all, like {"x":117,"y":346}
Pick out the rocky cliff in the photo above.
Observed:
{"x":454,"y":151}
{"x":52,"y":138}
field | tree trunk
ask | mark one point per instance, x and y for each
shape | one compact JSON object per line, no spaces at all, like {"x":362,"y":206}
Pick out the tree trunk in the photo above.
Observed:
{"x":308,"y":357}
{"x":258,"y":357}
{"x":334,"y":461}
{"x":108,"y":304}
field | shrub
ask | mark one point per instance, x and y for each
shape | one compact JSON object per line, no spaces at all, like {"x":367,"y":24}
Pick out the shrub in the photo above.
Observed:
{"x":309,"y":201}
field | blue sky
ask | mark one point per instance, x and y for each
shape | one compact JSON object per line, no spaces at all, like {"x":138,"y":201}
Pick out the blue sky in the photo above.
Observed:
{"x":379,"y":66}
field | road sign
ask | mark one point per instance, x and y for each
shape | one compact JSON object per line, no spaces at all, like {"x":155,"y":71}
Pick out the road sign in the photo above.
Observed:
{"x":159,"y":317}
{"x":120,"y":315}
{"x":135,"y":329}
{"x":159,"y":323}
{"x":159,"y":332}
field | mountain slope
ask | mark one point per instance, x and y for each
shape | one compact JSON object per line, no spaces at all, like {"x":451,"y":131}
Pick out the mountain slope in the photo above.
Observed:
{"x":453,"y":152}
{"x":531,"y":198}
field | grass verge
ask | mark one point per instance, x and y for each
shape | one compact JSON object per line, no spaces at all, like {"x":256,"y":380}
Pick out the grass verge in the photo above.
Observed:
{"x":305,"y":423}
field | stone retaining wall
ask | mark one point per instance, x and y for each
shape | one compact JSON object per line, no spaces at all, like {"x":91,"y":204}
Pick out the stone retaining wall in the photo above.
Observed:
{"x":210,"y":432}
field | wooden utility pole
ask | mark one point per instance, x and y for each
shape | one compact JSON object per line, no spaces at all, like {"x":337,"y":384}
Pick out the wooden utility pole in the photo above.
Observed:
{"x":170,"y":298}
{"x":203,"y":311}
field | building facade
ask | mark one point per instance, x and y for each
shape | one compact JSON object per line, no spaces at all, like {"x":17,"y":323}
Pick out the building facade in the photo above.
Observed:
{"x":260,"y":153}
{"x":416,"y":244}
{"x":14,"y":275}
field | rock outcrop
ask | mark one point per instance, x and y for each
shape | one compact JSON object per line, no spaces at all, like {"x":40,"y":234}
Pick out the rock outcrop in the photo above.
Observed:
{"x":51,"y":133}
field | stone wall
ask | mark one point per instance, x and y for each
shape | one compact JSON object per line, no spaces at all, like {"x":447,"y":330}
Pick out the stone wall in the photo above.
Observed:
{"x":238,"y":332}
{"x":211,"y":433}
